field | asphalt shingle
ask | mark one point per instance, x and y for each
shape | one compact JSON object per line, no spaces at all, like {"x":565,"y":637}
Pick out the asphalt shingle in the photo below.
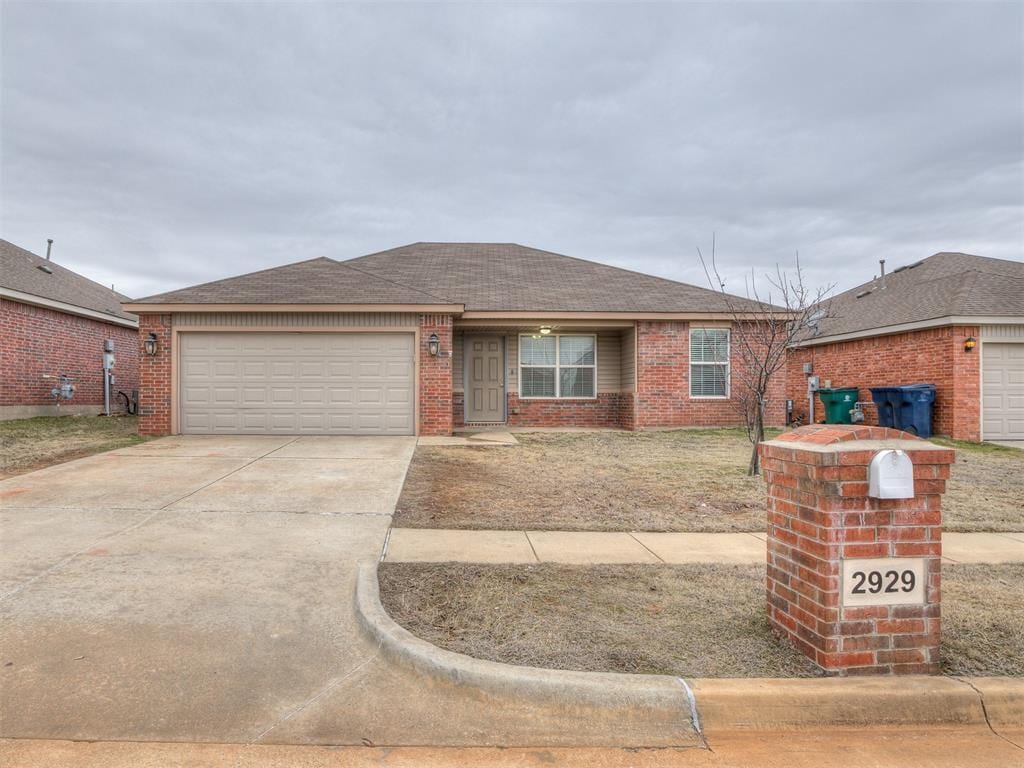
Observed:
{"x":19,"y":271}
{"x":481,"y":276}
{"x":942,"y":285}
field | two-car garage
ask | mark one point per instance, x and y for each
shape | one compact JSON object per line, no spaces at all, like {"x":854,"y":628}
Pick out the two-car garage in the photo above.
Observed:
{"x":347,"y":383}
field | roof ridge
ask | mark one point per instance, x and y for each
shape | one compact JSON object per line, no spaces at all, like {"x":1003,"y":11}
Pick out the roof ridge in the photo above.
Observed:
{"x":589,"y":262}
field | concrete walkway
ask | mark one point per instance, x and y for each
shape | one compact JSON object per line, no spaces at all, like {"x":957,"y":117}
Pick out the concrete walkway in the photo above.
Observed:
{"x":422,"y":545}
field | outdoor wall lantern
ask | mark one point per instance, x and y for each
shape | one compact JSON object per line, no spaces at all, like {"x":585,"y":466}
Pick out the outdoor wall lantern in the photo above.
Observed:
{"x":970,"y":343}
{"x":149,"y":345}
{"x":433,"y":345}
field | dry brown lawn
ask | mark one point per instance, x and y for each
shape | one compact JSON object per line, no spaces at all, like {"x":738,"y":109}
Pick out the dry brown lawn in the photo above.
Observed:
{"x":986,"y":489}
{"x":690,"y":621}
{"x":28,"y":444}
{"x":683,"y":480}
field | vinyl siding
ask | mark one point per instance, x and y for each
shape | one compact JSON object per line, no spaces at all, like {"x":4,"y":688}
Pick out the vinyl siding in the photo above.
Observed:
{"x":458,"y":342}
{"x":627,"y":382}
{"x":609,"y":356}
{"x":1002,"y":333}
{"x":296,"y":319}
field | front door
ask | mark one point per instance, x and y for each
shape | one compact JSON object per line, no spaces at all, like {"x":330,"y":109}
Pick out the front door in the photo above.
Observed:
{"x":485,"y":379}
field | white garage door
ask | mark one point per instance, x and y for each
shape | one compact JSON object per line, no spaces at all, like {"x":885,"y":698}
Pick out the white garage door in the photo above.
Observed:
{"x":296,"y":383}
{"x":1002,"y":391}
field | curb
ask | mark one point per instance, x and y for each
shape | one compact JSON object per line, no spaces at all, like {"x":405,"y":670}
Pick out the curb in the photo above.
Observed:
{"x":838,"y":702}
{"x":659,"y":697}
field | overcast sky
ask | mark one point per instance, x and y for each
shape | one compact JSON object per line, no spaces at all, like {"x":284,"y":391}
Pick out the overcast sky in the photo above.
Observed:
{"x":166,"y":144}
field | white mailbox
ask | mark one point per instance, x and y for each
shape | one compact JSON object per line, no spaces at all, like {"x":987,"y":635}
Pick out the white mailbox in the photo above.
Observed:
{"x":891,"y":475}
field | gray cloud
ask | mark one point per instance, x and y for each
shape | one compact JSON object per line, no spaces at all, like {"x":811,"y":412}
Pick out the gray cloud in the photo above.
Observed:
{"x":168,"y":144}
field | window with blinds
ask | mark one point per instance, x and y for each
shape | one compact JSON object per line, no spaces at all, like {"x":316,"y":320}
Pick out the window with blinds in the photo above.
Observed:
{"x":709,"y":362}
{"x":557,"y":366}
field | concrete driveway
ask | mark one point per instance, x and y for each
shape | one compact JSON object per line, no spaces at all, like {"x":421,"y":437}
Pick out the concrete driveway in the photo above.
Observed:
{"x":200,"y":589}
{"x":190,"y":588}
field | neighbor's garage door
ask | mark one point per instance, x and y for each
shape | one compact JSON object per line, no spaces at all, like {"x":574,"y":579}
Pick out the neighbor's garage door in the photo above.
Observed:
{"x":296,"y":383}
{"x":1002,"y":391}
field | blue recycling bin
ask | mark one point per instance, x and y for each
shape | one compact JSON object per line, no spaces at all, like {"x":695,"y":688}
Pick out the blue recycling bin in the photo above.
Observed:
{"x":885,"y":399}
{"x":907,"y":407}
{"x":914,"y":414}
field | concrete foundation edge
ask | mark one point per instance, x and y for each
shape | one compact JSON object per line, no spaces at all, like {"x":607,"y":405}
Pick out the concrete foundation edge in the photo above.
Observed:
{"x":550,"y":687}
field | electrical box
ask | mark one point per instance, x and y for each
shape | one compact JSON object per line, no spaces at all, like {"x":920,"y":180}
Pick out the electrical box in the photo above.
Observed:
{"x":891,"y":475}
{"x":812,"y":383}
{"x":108,"y":360}
{"x":808,"y":369}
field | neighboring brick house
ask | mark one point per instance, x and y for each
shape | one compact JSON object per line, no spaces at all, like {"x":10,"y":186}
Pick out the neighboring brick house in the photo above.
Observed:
{"x":952,"y":320}
{"x":432,"y":337}
{"x":52,"y":322}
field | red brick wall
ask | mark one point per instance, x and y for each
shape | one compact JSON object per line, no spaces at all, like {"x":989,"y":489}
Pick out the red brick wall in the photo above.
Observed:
{"x":663,"y":383}
{"x":605,"y":411}
{"x":155,"y":377}
{"x":436,"y":377}
{"x":933,"y":356}
{"x":35,"y":341}
{"x":819,"y":515}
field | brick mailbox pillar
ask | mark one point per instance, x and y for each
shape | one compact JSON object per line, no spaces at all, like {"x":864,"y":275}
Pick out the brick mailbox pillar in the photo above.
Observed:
{"x":854,"y":581}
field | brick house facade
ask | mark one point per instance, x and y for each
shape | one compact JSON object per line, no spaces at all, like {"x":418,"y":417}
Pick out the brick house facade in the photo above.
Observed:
{"x":658,"y":397}
{"x":326,"y":346}
{"x":935,"y":356}
{"x":953,"y":320}
{"x":53,"y":322}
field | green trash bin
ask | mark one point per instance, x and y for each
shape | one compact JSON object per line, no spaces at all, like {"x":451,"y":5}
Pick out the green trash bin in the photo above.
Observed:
{"x":838,"y":403}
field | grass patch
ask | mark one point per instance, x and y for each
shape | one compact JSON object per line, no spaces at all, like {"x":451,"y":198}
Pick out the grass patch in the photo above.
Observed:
{"x":985,"y":491}
{"x":983,"y":619}
{"x":681,"y":480}
{"x":694,"y":620}
{"x":28,"y":444}
{"x":703,"y":620}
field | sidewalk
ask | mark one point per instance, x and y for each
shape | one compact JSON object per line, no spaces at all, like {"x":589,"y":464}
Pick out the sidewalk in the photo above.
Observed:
{"x":425,"y":545}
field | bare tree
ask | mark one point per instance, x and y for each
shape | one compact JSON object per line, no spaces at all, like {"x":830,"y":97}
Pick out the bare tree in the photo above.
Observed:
{"x":765,"y":327}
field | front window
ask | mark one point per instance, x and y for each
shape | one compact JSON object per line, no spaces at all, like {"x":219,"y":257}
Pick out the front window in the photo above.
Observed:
{"x":558,"y":366}
{"x":709,"y":362}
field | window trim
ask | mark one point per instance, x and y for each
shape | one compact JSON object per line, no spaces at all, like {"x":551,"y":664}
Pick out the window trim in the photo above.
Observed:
{"x":557,"y":366}
{"x":727,"y":364}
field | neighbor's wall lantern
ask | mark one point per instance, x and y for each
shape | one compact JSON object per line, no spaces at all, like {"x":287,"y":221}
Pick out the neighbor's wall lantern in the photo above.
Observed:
{"x":149,"y":345}
{"x":433,"y":345}
{"x":970,"y":343}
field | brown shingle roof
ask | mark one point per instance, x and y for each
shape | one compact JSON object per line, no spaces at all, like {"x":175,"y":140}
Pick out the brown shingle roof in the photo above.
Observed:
{"x":317,"y":281}
{"x":943,"y":285}
{"x":19,"y":271}
{"x":481,"y":276}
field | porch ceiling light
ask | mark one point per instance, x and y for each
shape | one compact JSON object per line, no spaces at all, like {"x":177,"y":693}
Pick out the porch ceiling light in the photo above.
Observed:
{"x":433,"y":345}
{"x":149,"y":345}
{"x":545,"y":330}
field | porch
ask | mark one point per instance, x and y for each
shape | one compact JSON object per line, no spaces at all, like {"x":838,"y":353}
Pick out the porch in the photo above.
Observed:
{"x":525,"y":374}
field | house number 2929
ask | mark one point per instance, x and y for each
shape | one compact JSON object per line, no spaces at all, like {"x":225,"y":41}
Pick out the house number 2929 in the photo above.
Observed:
{"x":884,"y":581}
{"x":873,"y":582}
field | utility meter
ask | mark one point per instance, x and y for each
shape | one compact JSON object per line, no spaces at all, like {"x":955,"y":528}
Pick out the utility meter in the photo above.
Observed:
{"x":891,"y":475}
{"x":812,"y":383}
